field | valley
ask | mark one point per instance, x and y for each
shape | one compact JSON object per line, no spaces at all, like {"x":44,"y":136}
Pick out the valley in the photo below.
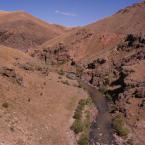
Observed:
{"x":73,"y":85}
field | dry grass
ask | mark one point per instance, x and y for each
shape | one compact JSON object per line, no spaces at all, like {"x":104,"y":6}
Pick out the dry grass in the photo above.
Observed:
{"x":36,"y":119}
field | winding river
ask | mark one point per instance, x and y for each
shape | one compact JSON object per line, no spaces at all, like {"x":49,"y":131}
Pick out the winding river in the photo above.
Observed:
{"x":100,"y":132}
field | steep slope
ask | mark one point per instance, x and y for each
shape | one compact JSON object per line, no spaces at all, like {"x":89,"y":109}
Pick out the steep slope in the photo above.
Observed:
{"x":125,"y":21}
{"x":119,"y":74}
{"x":110,"y":55}
{"x":94,"y":39}
{"x":23,"y":31}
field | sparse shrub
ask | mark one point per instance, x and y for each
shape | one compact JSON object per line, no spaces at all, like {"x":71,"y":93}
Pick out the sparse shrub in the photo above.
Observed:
{"x":79,"y":86}
{"x":66,"y":82}
{"x":83,"y":140}
{"x":29,"y":99}
{"x":79,"y":71}
{"x":5,"y":105}
{"x":118,"y":126}
{"x":82,"y":121}
{"x":130,"y":141}
{"x":61,"y":72}
{"x":78,"y":113}
{"x":79,"y":109}
{"x":59,"y":77}
{"x":82,"y":103}
{"x":113,"y":109}
{"x":130,"y":37}
{"x":103,"y":89}
{"x":77,"y":126}
{"x":73,"y":63}
{"x":12,"y":129}
{"x":61,"y":62}
{"x":109,"y":97}
{"x":123,"y":132}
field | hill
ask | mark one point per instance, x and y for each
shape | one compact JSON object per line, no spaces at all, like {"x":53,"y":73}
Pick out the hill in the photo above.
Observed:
{"x":23,"y":31}
{"x":110,"y":55}
{"x":107,"y":56}
{"x":31,"y":112}
{"x":94,"y":39}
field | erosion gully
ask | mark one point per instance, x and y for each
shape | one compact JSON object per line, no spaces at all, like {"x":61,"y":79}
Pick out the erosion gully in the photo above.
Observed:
{"x":101,"y":132}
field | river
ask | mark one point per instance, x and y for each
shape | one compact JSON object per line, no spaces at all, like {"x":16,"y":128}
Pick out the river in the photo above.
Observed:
{"x":101,"y":132}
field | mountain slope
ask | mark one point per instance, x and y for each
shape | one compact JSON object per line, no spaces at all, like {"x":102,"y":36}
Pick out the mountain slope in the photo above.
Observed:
{"x":33,"y":109}
{"x":110,"y":55}
{"x":94,"y":39}
{"x":128,"y":20}
{"x":23,"y":31}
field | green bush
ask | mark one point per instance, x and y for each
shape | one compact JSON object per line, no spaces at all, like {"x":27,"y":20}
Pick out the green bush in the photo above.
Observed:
{"x":84,"y":140}
{"x":78,"y":113}
{"x":118,"y":125}
{"x":79,"y":109}
{"x":123,"y":131}
{"x":77,"y":126}
{"x":82,"y":102}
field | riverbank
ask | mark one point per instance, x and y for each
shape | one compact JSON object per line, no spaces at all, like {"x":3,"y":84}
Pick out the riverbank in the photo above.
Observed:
{"x":100,"y":130}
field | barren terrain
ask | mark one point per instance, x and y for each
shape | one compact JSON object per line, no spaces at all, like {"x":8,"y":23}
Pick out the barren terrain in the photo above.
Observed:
{"x":39,"y":88}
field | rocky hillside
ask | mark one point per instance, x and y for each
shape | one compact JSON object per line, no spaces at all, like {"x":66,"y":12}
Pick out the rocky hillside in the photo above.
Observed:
{"x":128,"y":20}
{"x":119,"y":74}
{"x":35,"y":113}
{"x":93,"y":40}
{"x":23,"y":31}
{"x":109,"y":55}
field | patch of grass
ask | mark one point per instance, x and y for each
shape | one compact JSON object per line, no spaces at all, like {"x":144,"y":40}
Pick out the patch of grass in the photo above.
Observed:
{"x":82,"y":121}
{"x":34,"y":65}
{"x":83,"y":140}
{"x":87,"y":121}
{"x":77,"y":126}
{"x":118,"y":126}
{"x":80,"y":107}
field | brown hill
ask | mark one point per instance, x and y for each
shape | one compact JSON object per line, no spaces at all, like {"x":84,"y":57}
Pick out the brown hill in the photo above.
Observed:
{"x":104,"y":54}
{"x":31,"y":112}
{"x":125,"y":21}
{"x":110,"y":55}
{"x":94,"y":39}
{"x":23,"y":31}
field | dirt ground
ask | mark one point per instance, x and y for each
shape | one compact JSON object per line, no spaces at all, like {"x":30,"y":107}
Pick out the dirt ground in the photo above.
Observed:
{"x":39,"y":111}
